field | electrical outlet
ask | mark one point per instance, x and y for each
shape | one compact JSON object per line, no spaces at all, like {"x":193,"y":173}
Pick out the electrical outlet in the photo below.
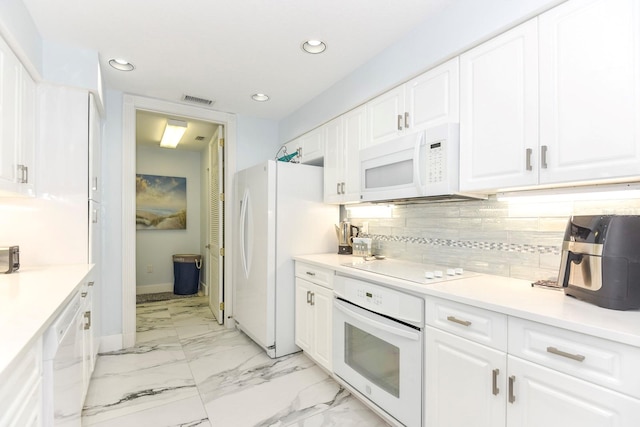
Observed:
{"x":149,"y":268}
{"x":365,"y":227}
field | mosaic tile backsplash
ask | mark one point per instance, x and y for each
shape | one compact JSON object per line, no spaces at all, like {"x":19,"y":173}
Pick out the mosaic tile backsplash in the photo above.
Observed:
{"x":514,"y":239}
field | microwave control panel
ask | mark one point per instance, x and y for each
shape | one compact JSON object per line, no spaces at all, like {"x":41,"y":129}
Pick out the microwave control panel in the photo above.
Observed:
{"x":436,"y":162}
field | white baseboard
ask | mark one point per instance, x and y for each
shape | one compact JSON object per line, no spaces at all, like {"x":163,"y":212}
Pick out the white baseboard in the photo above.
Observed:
{"x":154,"y":288}
{"x":111,"y":343}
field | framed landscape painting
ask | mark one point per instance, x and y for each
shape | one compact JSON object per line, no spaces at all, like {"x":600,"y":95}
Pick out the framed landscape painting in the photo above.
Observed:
{"x":161,"y":202}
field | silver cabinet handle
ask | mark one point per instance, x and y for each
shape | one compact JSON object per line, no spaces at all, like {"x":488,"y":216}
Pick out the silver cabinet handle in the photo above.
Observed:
{"x":308,"y":297}
{"x":25,"y":179}
{"x":512,"y":396}
{"x":94,"y":216}
{"x":529,"y":152}
{"x":338,"y":188}
{"x":83,"y":294}
{"x":406,"y":120}
{"x":494,"y":387}
{"x":87,"y":317}
{"x":313,"y":298}
{"x":95,"y":183}
{"x":342,"y":188}
{"x":543,"y":156}
{"x":554,"y":350}
{"x":91,"y":283}
{"x":458,"y":321}
{"x":399,"y":121}
{"x":311,"y":273}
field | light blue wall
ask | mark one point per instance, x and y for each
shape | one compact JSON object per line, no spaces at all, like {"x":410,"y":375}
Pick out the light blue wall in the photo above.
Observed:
{"x":455,"y":29}
{"x":257,"y":140}
{"x":17,"y":27}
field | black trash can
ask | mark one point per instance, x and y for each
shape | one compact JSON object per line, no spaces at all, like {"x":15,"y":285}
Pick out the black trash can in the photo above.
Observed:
{"x":186,"y":273}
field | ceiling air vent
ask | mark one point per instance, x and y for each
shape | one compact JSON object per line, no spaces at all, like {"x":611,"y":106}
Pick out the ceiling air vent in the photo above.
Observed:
{"x":196,"y":100}
{"x":199,"y":138}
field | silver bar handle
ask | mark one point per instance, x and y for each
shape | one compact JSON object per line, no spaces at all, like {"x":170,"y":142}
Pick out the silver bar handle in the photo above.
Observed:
{"x":577,"y":357}
{"x":338,"y":188}
{"x":83,"y":294}
{"x":91,"y":283}
{"x":494,"y":386}
{"x":512,"y":396}
{"x":529,"y":152}
{"x":25,"y":178}
{"x":95,"y":183}
{"x":308,"y":297}
{"x":458,"y":321}
{"x":543,"y":156}
{"x":342,"y":188}
{"x":313,"y":298}
{"x":406,"y":120}
{"x":399,"y":121}
{"x":311,"y":273}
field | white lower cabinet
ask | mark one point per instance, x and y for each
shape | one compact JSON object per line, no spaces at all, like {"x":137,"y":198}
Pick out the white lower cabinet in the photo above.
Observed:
{"x":21,"y":391}
{"x":567,"y":379}
{"x":314,"y":314}
{"x":544,"y":397}
{"x":465,"y":382}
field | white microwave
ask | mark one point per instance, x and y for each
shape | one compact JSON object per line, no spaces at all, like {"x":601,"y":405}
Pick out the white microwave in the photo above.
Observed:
{"x":420,"y":164}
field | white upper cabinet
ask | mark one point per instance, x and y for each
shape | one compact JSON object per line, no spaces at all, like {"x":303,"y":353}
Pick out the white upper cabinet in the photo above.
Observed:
{"x":555,"y":100}
{"x":590,"y":90}
{"x":17,"y":125}
{"x":428,"y":100}
{"x":499,"y":111}
{"x":95,"y":143}
{"x":344,"y":137}
{"x":310,"y":147}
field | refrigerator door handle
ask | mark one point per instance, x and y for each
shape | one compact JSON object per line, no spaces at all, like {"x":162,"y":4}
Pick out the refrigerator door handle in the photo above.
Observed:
{"x":244,"y":232}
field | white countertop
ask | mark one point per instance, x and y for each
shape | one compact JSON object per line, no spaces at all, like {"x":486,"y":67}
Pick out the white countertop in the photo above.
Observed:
{"x":514,"y":297}
{"x":30,"y":300}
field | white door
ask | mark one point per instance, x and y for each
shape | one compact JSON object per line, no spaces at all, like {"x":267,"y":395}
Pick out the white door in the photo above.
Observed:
{"x":354,"y":134}
{"x":544,"y":397}
{"x":10,"y":119}
{"x":322,"y":307}
{"x":432,"y":98}
{"x":499,"y":111}
{"x":590,"y":90}
{"x":465,"y":382}
{"x":333,"y":161}
{"x":216,"y":234}
{"x":304,"y":319}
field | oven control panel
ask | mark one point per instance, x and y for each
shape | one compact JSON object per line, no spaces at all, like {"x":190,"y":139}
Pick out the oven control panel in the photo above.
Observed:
{"x":379,"y":299}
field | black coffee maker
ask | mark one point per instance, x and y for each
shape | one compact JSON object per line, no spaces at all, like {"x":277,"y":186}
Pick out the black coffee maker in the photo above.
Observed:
{"x":601,"y":260}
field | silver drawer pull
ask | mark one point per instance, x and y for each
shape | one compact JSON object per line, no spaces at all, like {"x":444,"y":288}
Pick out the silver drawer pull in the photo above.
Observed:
{"x":458,"y":321}
{"x":495,"y":388}
{"x":512,"y":395}
{"x":577,"y":357}
{"x":310,"y":273}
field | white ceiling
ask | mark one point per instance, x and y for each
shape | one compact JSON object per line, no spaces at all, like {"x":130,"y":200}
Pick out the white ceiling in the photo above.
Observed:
{"x":226,"y":50}
{"x":150,"y":127}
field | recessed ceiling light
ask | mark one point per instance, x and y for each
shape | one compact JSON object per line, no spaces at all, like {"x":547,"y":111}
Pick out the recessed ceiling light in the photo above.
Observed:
{"x":314,"y":46}
{"x":121,"y":64}
{"x":260,"y":97}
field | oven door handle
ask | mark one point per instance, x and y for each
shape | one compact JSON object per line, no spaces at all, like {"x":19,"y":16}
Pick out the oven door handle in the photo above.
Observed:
{"x":414,"y":336}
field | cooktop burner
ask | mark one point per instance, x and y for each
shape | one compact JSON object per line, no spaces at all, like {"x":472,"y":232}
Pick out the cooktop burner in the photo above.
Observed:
{"x":423,"y":274}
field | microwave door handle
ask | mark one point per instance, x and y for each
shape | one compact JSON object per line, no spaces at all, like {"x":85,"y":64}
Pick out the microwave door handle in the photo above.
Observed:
{"x":415,"y":336}
{"x":417,"y":164}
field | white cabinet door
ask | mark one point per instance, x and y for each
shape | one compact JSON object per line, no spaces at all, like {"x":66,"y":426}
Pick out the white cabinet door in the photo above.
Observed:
{"x":333,"y":162}
{"x":95,"y":157}
{"x":304,"y":315}
{"x":385,"y":116}
{"x":26,"y":153}
{"x":10,"y":71}
{"x":433,"y":98}
{"x":322,"y":305}
{"x":312,"y":144}
{"x":590,"y":90}
{"x":544,"y":397}
{"x":499,"y":111}
{"x":354,"y":136}
{"x":465,"y":382}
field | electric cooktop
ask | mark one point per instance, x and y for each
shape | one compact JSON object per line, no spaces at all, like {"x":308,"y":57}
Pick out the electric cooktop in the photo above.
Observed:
{"x":423,"y":274}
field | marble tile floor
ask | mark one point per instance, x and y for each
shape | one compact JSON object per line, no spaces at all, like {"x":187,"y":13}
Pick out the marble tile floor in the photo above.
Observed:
{"x":186,"y":370}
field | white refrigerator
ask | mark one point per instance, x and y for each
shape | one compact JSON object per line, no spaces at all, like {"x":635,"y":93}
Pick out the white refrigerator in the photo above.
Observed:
{"x":280,"y":213}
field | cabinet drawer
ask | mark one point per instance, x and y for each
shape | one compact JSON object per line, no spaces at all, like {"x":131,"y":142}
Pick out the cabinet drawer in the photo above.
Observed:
{"x":21,"y":388}
{"x":318,"y":275}
{"x":476,"y":324}
{"x":607,"y":363}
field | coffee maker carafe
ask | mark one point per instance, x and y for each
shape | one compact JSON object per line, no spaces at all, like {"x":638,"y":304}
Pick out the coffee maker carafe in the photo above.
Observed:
{"x":345,"y":233}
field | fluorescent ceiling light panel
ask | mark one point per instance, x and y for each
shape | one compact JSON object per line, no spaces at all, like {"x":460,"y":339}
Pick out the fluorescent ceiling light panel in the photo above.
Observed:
{"x":173,"y":133}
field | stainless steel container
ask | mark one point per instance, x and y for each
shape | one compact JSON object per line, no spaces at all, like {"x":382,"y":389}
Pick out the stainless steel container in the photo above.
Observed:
{"x":9,"y":259}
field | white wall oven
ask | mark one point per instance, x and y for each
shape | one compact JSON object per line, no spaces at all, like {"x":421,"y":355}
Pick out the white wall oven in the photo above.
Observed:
{"x":378,"y":336}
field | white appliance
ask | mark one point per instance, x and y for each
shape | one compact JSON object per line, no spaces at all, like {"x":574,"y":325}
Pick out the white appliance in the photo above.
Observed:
{"x":280,"y":214}
{"x":420,"y":164}
{"x":378,"y":346}
{"x":63,"y":367}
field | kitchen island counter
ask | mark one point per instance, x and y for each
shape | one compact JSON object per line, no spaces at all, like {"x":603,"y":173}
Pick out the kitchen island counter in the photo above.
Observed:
{"x":514,"y":297}
{"x":30,"y":300}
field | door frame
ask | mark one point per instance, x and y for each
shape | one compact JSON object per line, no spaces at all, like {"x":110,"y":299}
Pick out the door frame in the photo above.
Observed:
{"x":219,"y":166}
{"x":132,"y":103}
